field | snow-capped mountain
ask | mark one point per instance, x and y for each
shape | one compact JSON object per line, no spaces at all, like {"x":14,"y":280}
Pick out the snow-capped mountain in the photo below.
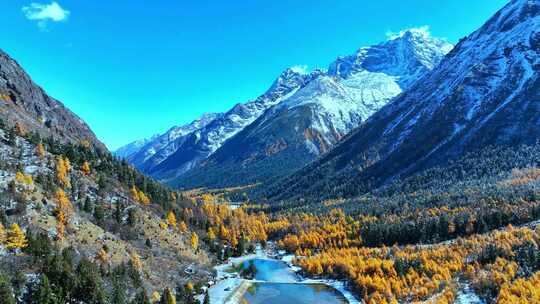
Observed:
{"x":181,"y":148}
{"x":485,"y":92}
{"x":128,"y":150}
{"x":155,"y":150}
{"x":311,"y":121}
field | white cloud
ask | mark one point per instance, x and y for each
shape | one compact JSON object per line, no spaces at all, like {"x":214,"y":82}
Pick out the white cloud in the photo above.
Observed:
{"x":424,"y":30}
{"x":44,"y":13}
{"x":300,"y":69}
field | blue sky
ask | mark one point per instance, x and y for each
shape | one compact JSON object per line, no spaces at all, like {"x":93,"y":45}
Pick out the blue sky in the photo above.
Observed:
{"x":133,"y":68}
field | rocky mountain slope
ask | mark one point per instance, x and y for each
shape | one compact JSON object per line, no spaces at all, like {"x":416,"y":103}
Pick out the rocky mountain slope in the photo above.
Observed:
{"x":22,"y":101}
{"x":313,"y":119}
{"x":77,"y":224}
{"x":485,"y":92}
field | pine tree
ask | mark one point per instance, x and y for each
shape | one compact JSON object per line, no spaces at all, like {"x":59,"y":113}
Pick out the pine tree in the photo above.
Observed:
{"x":16,"y":238}
{"x":206,"y":298}
{"x":44,"y":293}
{"x":119,"y":293}
{"x":141,"y":298}
{"x":6,"y":294}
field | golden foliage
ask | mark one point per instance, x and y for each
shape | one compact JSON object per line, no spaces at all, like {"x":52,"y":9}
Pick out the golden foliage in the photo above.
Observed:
{"x":16,"y":239}
{"x":20,"y":129}
{"x":25,"y":179}
{"x":40,"y":150}
{"x":102,"y":256}
{"x":63,"y":167}
{"x":182,"y":227}
{"x":139,"y":196}
{"x":171,"y":219}
{"x":86,"y":168}
{"x":194,"y":241}
{"x":63,"y":211}
{"x":3,"y":234}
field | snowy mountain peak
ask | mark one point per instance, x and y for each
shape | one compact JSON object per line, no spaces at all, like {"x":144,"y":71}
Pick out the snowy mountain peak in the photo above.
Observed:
{"x":405,"y":56}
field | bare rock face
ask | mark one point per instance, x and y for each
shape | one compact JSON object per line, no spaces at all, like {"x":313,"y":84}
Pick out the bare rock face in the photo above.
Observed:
{"x":24,"y":102}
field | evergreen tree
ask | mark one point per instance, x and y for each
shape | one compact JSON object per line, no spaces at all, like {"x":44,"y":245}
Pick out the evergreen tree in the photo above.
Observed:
{"x":44,"y":293}
{"x":119,"y":293}
{"x":6,"y":294}
{"x":141,"y":298}
{"x":206,"y":298}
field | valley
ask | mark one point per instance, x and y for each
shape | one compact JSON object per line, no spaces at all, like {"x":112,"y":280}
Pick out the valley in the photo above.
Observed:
{"x":405,"y":172}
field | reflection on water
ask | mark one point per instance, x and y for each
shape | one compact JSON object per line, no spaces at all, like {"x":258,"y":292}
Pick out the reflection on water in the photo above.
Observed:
{"x":272,"y":271}
{"x":281,"y":286}
{"x":290,"y":293}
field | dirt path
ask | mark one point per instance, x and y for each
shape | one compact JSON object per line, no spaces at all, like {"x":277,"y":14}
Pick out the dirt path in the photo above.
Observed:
{"x":238,"y":293}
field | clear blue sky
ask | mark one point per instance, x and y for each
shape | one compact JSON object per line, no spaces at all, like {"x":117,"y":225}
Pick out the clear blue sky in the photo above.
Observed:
{"x":133,"y":68}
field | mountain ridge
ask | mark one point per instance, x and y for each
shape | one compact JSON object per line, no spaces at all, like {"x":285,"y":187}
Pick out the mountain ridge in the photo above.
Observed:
{"x":312,"y":120}
{"x":481,"y":94}
{"x":24,"y":102}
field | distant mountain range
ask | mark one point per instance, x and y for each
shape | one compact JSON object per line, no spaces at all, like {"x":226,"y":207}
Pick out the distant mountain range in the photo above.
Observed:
{"x":300,"y":117}
{"x":486,"y":92}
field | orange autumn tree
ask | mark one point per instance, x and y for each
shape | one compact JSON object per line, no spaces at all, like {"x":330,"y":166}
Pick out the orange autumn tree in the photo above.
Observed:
{"x":40,"y":150}
{"x":85,"y":168}
{"x":62,"y":169}
{"x":139,"y":196}
{"x":20,"y":129}
{"x":182,"y":227}
{"x":63,"y":211}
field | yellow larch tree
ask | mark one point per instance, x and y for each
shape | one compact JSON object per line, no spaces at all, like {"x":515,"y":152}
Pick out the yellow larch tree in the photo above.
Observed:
{"x":16,"y":239}
{"x":62,"y":170}
{"x":194,"y":241}
{"x":85,"y":168}
{"x":20,"y":129}
{"x":136,"y":261}
{"x":102,"y":256}
{"x":182,"y":227}
{"x":171,"y":219}
{"x":168,"y":296}
{"x":63,"y":211}
{"x":156,"y":297}
{"x":25,"y":179}
{"x":40,"y":150}
{"x":3,"y":234}
{"x":134,"y":194}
